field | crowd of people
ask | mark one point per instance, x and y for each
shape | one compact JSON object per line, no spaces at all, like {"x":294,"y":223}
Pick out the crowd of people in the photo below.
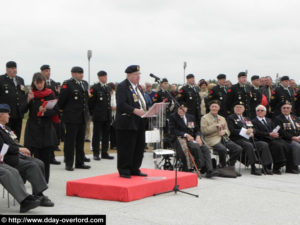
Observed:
{"x":255,"y":123}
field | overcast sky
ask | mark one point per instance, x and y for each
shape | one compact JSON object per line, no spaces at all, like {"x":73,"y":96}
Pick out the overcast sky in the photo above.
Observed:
{"x":213,"y":36}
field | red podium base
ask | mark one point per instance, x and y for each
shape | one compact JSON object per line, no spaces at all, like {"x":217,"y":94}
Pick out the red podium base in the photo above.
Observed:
{"x":115,"y":188}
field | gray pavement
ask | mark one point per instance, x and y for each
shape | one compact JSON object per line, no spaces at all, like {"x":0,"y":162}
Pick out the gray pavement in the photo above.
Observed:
{"x":245,"y":200}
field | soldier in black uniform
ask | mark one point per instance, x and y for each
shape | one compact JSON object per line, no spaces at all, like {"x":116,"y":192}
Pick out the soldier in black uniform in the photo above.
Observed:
{"x":12,"y":92}
{"x":219,"y":92}
{"x":280,"y":95}
{"x":189,"y":96}
{"x":73,"y":101}
{"x":239,"y":92}
{"x":100,"y":109}
{"x":163,"y":96}
{"x":130,"y":126}
{"x":297,"y":103}
{"x":256,"y":95}
{"x":52,"y":85}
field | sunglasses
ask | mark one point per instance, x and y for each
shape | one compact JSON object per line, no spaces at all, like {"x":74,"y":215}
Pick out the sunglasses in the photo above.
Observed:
{"x":260,"y":110}
{"x":286,"y":107}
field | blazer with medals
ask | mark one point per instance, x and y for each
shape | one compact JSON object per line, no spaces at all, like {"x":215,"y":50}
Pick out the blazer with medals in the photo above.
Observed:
{"x":235,"y":125}
{"x":209,"y":128}
{"x":179,"y":128}
{"x":127,"y":101}
{"x":263,"y":131}
{"x":287,"y":131}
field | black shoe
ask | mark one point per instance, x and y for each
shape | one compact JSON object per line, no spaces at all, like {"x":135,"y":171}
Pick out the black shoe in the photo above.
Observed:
{"x":54,"y":162}
{"x":276,"y":171}
{"x":139,"y":174}
{"x":97,"y":158}
{"x":107,"y":156}
{"x":86,"y":159}
{"x":29,"y":203}
{"x":125,"y":176}
{"x":69,"y":168}
{"x":83,"y":166}
{"x":87,"y":140}
{"x":255,"y":172}
{"x":291,"y":171}
{"x":211,"y":173}
{"x":267,"y":171}
{"x":45,"y":201}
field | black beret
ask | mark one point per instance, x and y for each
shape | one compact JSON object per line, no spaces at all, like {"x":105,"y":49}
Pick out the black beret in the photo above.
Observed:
{"x":254,"y":77}
{"x":76,"y":69}
{"x":164,"y":80}
{"x":132,"y":69}
{"x":11,"y":64}
{"x":4,"y":108}
{"x":101,"y":73}
{"x":238,"y":103}
{"x":242,"y":74}
{"x":215,"y":102}
{"x":286,"y":102}
{"x":221,"y":76}
{"x":45,"y":67}
{"x":284,"y":78}
{"x":189,"y":76}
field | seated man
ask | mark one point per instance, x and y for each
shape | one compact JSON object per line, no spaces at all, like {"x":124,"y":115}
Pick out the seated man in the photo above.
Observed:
{"x":242,"y":133}
{"x":13,"y":183}
{"x":290,"y":131}
{"x":216,"y":134}
{"x":182,"y":124}
{"x":265,"y":131}
{"x":30,"y":169}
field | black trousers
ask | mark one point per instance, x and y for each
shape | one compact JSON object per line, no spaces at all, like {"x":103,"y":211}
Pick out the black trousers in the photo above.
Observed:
{"x":43,"y":154}
{"x":112,"y":138}
{"x":74,"y":139}
{"x":130,"y":145}
{"x":280,"y":152}
{"x":201,"y":155}
{"x":234,"y":150}
{"x":16,"y":126}
{"x":101,"y":132}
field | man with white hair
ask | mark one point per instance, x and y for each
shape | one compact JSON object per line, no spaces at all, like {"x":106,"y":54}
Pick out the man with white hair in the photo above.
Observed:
{"x":266,"y":131}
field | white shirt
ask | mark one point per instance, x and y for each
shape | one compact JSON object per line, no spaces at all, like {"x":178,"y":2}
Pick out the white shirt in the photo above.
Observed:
{"x":142,"y":99}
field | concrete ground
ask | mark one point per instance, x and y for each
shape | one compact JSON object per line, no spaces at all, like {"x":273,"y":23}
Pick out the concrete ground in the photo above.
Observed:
{"x":246,"y":200}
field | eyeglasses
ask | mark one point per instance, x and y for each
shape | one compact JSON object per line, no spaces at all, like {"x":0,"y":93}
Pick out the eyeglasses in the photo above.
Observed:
{"x":286,"y":107}
{"x":260,"y":110}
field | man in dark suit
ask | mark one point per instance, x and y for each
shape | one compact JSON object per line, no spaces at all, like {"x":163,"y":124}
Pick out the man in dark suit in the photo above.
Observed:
{"x":290,"y":131}
{"x":242,"y":133}
{"x":30,"y":169}
{"x":256,"y":95}
{"x":130,"y":126}
{"x":100,"y":109}
{"x":265,"y":131}
{"x":184,"y":125}
{"x":12,"y":92}
{"x":73,"y":102}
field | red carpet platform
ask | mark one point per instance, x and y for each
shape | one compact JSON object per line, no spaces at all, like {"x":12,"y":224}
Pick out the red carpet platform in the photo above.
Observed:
{"x":113,"y":187}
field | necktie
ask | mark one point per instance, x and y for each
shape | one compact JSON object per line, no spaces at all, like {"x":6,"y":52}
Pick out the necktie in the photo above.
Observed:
{"x":183,"y":118}
{"x":265,"y":123}
{"x":141,"y":100}
{"x":225,"y":90}
{"x":15,"y":81}
{"x":292,"y":122}
{"x":242,"y":120}
{"x":81,"y":84}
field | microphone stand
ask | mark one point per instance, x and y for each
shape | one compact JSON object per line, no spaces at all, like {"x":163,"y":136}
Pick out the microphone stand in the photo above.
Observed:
{"x":176,"y":186}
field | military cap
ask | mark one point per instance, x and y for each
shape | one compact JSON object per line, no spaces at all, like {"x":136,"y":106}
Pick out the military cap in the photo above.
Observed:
{"x":164,"y":80}
{"x":286,"y":102}
{"x":221,"y":76}
{"x":215,"y":102}
{"x":284,"y":78}
{"x":189,"y":76}
{"x":76,"y":69}
{"x":254,"y":77}
{"x":4,"y":108}
{"x":11,"y":64}
{"x":45,"y":67}
{"x":101,"y":73}
{"x":132,"y":69}
{"x":242,"y":74}
{"x":238,"y":103}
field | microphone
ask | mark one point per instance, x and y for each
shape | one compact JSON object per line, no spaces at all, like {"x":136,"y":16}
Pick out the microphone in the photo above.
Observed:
{"x":155,"y":77}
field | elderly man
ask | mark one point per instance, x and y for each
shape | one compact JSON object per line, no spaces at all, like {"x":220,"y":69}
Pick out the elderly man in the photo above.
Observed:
{"x":242,"y":133}
{"x":216,"y":134}
{"x":182,"y":124}
{"x":290,"y":131}
{"x":30,"y":169}
{"x":266,"y":131}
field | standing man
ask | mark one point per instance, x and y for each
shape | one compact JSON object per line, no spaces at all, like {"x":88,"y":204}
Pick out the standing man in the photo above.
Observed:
{"x":256,"y":95}
{"x":189,"y":96}
{"x":219,"y":93}
{"x":100,"y":109}
{"x":73,"y":101}
{"x":280,"y":95}
{"x":51,"y":84}
{"x":130,"y":126}
{"x":268,"y":89}
{"x":12,"y":92}
{"x":174,"y":90}
{"x":239,"y":92}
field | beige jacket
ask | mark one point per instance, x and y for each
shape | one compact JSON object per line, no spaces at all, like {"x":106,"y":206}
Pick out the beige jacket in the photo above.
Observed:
{"x":210,"y":130}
